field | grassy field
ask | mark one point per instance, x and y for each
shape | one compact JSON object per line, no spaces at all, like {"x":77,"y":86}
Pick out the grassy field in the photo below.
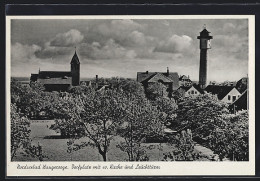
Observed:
{"x":56,"y":149}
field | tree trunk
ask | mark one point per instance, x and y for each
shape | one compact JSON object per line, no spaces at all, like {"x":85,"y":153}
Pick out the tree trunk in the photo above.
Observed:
{"x":103,"y":153}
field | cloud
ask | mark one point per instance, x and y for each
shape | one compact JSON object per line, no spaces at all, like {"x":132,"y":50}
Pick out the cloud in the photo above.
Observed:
{"x":231,"y":46}
{"x":68,"y":39}
{"x":24,"y":53}
{"x":110,"y":50}
{"x":175,"y":44}
{"x":49,"y":51}
{"x":125,"y":32}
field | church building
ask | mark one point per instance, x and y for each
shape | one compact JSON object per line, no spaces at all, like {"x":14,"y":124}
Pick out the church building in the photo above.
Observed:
{"x":59,"y":80}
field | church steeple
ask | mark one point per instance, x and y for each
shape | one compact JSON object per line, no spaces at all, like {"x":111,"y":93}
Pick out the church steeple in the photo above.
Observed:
{"x":75,"y":69}
{"x":75,"y":58}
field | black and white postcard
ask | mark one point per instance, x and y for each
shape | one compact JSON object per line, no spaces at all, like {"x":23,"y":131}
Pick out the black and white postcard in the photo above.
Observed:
{"x":130,"y":95}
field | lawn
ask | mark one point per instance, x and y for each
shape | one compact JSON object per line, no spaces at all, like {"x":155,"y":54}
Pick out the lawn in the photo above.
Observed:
{"x":56,"y":149}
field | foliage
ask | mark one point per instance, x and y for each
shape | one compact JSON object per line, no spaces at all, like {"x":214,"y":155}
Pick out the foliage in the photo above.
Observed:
{"x":19,"y":131}
{"x":232,"y":141}
{"x":201,"y":114}
{"x":183,"y":148}
{"x":168,"y":107}
{"x":129,"y":86}
{"x":156,"y":90}
{"x":213,"y":126}
{"x":142,"y":120}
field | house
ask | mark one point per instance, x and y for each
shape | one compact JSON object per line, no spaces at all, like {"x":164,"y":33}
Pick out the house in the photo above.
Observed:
{"x":59,"y":80}
{"x":169,"y":79}
{"x":242,"y":84}
{"x":228,"y":94}
{"x":241,"y":103}
{"x":193,"y":90}
{"x":185,"y":81}
{"x":86,"y":83}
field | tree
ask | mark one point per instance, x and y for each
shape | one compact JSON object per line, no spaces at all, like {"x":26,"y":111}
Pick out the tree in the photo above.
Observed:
{"x":232,"y":141}
{"x":213,"y":126}
{"x":142,"y":120}
{"x":201,"y":114}
{"x":20,"y":132}
{"x":167,"y":106}
{"x":156,"y":90}
{"x":129,"y":86}
{"x":94,"y":116}
{"x":183,"y":148}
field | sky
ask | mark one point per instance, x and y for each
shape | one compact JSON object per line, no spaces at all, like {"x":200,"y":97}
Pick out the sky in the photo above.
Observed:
{"x":123,"y":47}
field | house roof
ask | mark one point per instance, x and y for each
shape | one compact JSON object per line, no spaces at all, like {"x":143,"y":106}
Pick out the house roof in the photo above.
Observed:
{"x":220,"y":91}
{"x":198,"y":88}
{"x":156,"y":77}
{"x":75,"y":59}
{"x":241,"y":102}
{"x":186,"y":88}
{"x":183,"y":77}
{"x":173,"y":76}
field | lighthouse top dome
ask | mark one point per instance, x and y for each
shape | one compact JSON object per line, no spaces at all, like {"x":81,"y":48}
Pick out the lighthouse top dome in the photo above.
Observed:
{"x":205,"y":34}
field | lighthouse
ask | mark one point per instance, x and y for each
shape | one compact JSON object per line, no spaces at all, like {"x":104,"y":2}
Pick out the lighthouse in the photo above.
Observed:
{"x":204,"y":46}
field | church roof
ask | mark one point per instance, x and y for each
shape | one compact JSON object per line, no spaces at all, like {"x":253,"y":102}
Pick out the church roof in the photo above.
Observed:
{"x":220,"y":91}
{"x":58,"y":80}
{"x":171,"y":76}
{"x":53,"y":74}
{"x":75,"y":59}
{"x":54,"y":77}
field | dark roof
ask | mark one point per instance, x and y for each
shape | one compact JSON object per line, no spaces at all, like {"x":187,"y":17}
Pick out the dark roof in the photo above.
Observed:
{"x":198,"y":88}
{"x":241,"y":102}
{"x":59,"y":80}
{"x":142,"y":76}
{"x":157,"y":76}
{"x":220,"y":91}
{"x":75,"y":59}
{"x":53,"y":74}
{"x":34,"y":77}
{"x":186,"y":88}
{"x":52,"y":77}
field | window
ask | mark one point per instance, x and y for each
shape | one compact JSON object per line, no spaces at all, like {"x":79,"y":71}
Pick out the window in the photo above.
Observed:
{"x":234,"y":98}
{"x":192,"y":92}
{"x":229,"y":97}
{"x":195,"y":92}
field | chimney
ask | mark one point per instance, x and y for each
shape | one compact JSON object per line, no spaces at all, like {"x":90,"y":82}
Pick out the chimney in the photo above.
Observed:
{"x":96,"y":81}
{"x":167,"y":70}
{"x":147,"y":72}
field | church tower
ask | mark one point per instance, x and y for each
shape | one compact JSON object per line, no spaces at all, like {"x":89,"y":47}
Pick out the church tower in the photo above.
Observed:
{"x":204,"y":46}
{"x":75,"y":69}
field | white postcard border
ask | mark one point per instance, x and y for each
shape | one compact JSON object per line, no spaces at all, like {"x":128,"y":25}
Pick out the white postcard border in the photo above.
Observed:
{"x":166,"y":168}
